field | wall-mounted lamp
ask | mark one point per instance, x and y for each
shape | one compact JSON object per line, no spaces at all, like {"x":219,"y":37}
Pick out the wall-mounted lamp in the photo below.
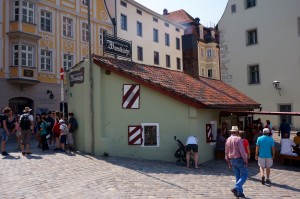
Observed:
{"x":51,"y":96}
{"x":276,"y":85}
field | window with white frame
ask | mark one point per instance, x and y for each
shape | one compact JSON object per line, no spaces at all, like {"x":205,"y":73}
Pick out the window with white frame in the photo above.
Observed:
{"x":252,"y":37}
{"x":15,"y":55}
{"x":150,"y":134}
{"x":209,"y":53}
{"x":250,"y":3}
{"x":155,"y":35}
{"x":85,"y":2}
{"x":139,"y":29}
{"x":253,"y":72}
{"x":156,"y":57}
{"x":167,"y":39}
{"x":68,"y":61}
{"x":85,"y":32}
{"x":168,"y":61}
{"x":101,"y":36}
{"x":46,"y":21}
{"x":67,"y":27}
{"x":123,"y":22}
{"x":16,"y":8}
{"x":178,"y":63}
{"x":27,"y":12}
{"x":140,"y":53}
{"x":27,"y":55}
{"x":46,"y":60}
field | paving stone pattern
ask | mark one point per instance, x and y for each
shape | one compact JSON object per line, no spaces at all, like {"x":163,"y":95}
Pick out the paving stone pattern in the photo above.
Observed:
{"x":78,"y":175}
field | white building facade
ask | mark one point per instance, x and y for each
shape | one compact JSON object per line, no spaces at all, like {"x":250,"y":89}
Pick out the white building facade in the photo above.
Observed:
{"x":155,"y":39}
{"x":260,"y":44}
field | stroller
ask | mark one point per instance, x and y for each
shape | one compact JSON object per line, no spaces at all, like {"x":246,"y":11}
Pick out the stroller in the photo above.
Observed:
{"x":180,"y":153}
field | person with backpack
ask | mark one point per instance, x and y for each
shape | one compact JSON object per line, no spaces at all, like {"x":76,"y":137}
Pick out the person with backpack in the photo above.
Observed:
{"x":27,"y":127}
{"x":72,"y":126}
{"x":4,"y":130}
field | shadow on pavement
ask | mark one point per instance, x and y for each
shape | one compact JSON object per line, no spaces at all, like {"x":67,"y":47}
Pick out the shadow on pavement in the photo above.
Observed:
{"x":276,"y":185}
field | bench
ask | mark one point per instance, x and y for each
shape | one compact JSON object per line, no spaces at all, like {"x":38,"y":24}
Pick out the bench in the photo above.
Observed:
{"x":288,"y":158}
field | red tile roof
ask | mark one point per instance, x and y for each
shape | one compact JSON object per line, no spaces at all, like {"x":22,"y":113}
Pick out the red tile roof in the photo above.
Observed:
{"x":180,"y":16}
{"x":198,"y":92}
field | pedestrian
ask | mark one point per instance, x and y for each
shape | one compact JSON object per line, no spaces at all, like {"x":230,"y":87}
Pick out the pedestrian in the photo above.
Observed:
{"x":242,"y":134}
{"x":270,"y":127}
{"x":36,"y":131}
{"x":297,"y":139}
{"x":284,"y":128}
{"x":4,"y":130}
{"x":191,"y":145}
{"x":43,"y":133}
{"x":237,"y":159}
{"x":287,"y":146}
{"x":264,"y":154}
{"x":50,"y":124}
{"x":64,"y":131}
{"x":27,"y":128}
{"x":17,"y":130}
{"x":72,"y":126}
{"x":56,"y":132}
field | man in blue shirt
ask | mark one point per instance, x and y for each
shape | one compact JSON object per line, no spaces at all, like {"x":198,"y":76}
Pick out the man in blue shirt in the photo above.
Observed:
{"x":284,"y":128}
{"x":265,"y":153}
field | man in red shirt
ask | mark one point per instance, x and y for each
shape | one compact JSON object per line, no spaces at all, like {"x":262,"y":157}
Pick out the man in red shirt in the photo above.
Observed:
{"x":237,"y":159}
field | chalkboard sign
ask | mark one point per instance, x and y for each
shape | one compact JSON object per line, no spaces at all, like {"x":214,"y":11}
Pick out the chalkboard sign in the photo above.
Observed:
{"x":150,"y":135}
{"x":27,"y":73}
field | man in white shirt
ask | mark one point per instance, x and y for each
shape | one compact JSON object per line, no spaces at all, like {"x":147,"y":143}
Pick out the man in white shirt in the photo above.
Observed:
{"x":287,"y":146}
{"x":191,"y":145}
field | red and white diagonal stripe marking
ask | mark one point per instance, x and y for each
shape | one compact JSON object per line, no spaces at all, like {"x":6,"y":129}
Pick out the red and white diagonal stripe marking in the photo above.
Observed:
{"x":135,"y":135}
{"x":131,"y":96}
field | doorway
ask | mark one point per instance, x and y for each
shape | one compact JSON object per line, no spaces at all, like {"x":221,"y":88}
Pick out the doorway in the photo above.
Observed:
{"x":19,"y":103}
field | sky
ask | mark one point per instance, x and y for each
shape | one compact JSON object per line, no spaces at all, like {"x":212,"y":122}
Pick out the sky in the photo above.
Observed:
{"x":209,"y":11}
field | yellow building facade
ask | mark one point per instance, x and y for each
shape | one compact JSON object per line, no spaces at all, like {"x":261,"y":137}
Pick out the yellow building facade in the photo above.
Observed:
{"x":37,"y":39}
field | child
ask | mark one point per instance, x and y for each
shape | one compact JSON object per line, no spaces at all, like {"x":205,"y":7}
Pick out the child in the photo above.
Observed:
{"x":43,"y":133}
{"x":18,"y":132}
{"x":64,"y":131}
{"x":245,"y":143}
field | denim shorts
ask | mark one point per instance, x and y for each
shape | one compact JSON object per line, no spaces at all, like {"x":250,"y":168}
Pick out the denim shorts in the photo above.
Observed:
{"x":63,"y":139}
{"x":4,"y":136}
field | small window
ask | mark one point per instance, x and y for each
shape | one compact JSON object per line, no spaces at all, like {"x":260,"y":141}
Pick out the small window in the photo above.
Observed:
{"x":124,"y":4}
{"x":168,"y":61}
{"x":177,"y":29}
{"x":46,"y":60}
{"x":233,"y":8}
{"x":67,"y":27}
{"x":287,"y":118}
{"x":254,"y":74}
{"x":166,"y":24}
{"x":250,"y":3}
{"x":139,"y":12}
{"x":85,"y":32}
{"x":85,"y":2}
{"x":150,"y":134}
{"x":167,"y":39}
{"x":155,"y":35}
{"x":101,"y":36}
{"x":177,"y":43}
{"x":209,"y":73}
{"x":140,"y":53}
{"x":178,"y":63}
{"x":68,"y":61}
{"x":156,"y":58}
{"x":27,"y":12}
{"x":251,"y":37}
{"x":139,"y":29}
{"x":46,"y":21}
{"x":209,"y":53}
{"x":155,"y":19}
{"x":123,"y":22}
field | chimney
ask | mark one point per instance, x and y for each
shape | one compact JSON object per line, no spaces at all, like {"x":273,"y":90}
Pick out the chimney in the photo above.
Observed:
{"x":165,"y":12}
{"x":190,"y":55}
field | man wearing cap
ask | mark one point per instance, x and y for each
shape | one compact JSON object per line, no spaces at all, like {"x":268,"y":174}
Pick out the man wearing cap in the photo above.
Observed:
{"x":265,"y":153}
{"x":26,"y":133}
{"x":237,"y":159}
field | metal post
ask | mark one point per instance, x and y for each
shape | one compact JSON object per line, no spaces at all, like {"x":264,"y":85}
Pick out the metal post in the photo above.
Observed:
{"x":91,"y":81}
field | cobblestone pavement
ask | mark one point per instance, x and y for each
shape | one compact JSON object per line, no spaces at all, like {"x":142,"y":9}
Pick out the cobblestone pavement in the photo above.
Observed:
{"x":78,"y":175}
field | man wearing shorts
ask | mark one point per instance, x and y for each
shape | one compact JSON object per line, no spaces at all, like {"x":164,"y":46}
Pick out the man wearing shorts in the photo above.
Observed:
{"x":191,"y":145}
{"x":4,"y":132}
{"x":265,"y":153}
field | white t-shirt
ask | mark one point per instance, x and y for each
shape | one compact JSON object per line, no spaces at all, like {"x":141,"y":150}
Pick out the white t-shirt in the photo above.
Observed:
{"x":64,"y":129}
{"x":191,"y":140}
{"x":286,"y":146}
{"x":30,"y":117}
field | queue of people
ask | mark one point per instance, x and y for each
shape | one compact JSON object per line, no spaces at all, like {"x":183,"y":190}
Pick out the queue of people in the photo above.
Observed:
{"x":51,"y":129}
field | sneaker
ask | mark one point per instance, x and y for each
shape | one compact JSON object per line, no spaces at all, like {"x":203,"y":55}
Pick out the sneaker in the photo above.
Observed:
{"x":241,"y":195}
{"x":268,"y":181}
{"x":4,"y":153}
{"x":235,"y":192}
{"x":263,"y":180}
{"x":23,"y":153}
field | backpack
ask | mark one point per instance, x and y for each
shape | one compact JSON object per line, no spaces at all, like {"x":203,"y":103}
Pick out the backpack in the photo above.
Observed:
{"x":74,"y":125}
{"x":25,"y":122}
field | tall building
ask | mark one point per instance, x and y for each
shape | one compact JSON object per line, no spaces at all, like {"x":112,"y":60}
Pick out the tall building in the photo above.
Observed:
{"x":260,"y":45}
{"x":37,"y":39}
{"x":200,"y":45}
{"x":156,"y":40}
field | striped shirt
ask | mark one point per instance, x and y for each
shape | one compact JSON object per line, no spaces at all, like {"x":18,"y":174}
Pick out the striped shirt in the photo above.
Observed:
{"x":234,"y":148}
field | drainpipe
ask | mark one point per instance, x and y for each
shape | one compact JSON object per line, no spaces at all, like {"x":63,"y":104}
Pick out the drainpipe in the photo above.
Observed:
{"x":91,"y":82}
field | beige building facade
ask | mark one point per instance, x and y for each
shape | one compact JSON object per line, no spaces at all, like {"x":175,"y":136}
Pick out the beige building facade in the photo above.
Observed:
{"x":260,"y":45}
{"x":37,"y":39}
